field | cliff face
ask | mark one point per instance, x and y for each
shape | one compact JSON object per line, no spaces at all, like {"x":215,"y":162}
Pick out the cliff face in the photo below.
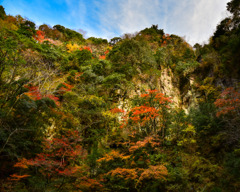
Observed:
{"x":179,"y":88}
{"x":169,"y":85}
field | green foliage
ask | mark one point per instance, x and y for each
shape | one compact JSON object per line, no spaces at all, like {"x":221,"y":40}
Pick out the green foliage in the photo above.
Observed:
{"x":131,"y":57}
{"x":97,"y":41}
{"x":69,"y":34}
{"x":114,"y":79}
{"x":153,"y":30}
{"x":2,"y":12}
{"x":122,"y":140}
{"x":27,"y":28}
{"x":180,"y":132}
{"x":177,"y":55}
{"x":232,"y":163}
{"x":186,"y":67}
{"x":226,"y":39}
{"x":83,"y":56}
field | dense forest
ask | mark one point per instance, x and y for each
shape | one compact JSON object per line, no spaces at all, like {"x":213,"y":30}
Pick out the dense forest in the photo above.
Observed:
{"x":142,"y":112}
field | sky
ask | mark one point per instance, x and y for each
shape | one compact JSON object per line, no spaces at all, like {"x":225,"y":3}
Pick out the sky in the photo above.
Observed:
{"x":195,"y":20}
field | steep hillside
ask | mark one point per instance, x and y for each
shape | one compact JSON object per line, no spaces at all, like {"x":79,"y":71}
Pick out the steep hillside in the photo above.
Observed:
{"x":143,"y":112}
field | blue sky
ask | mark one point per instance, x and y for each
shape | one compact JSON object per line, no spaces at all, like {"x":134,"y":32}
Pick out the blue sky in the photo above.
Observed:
{"x":195,"y":20}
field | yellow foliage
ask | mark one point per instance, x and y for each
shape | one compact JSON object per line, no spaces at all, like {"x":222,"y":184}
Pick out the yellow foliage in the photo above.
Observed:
{"x":188,"y":136}
{"x":8,"y":25}
{"x":72,"y":47}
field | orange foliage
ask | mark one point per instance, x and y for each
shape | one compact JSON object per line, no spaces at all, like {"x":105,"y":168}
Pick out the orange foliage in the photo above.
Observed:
{"x":112,"y":155}
{"x":88,"y":184}
{"x":147,"y":141}
{"x":157,"y":97}
{"x":106,"y":52}
{"x":39,"y":36}
{"x":23,"y":163}
{"x":65,"y":88}
{"x":143,"y":114}
{"x":127,"y":174}
{"x":69,"y":171}
{"x":154,"y":104}
{"x":102,"y":57}
{"x":157,"y":172}
{"x":16,"y":177}
{"x":86,"y":48}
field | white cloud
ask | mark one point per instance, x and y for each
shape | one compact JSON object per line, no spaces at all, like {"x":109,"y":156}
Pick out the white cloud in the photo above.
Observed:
{"x":125,"y":16}
{"x":194,"y":19}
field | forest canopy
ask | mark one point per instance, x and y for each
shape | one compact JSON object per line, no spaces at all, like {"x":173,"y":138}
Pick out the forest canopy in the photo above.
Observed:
{"x":141,"y":112}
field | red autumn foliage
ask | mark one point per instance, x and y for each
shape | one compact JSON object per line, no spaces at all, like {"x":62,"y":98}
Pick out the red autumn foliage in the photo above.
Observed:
{"x":65,"y":88}
{"x":228,"y":102}
{"x":117,"y":110}
{"x":104,"y":56}
{"x":40,"y":36}
{"x":58,"y":156}
{"x":106,"y":52}
{"x":143,"y":114}
{"x":54,"y":98}
{"x":35,"y":94}
{"x":157,"y":97}
{"x":152,"y":109}
{"x":86,"y":48}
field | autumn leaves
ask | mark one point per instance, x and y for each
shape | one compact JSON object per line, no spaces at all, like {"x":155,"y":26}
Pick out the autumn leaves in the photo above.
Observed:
{"x":149,"y":116}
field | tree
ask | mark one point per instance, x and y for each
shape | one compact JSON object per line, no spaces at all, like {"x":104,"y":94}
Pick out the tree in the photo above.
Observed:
{"x":150,"y":117}
{"x":27,"y":28}
{"x":228,"y":105}
{"x":131,"y":57}
{"x":82,"y":56}
{"x":129,"y":168}
{"x":234,"y":7}
{"x":153,"y":30}
{"x":115,"y":40}
{"x":40,"y":36}
{"x":48,"y":31}
{"x":2,"y":12}
{"x":97,"y":41}
{"x":60,"y":161}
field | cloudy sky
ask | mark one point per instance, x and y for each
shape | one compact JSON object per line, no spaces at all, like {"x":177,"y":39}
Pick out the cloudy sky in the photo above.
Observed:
{"x":195,"y":20}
